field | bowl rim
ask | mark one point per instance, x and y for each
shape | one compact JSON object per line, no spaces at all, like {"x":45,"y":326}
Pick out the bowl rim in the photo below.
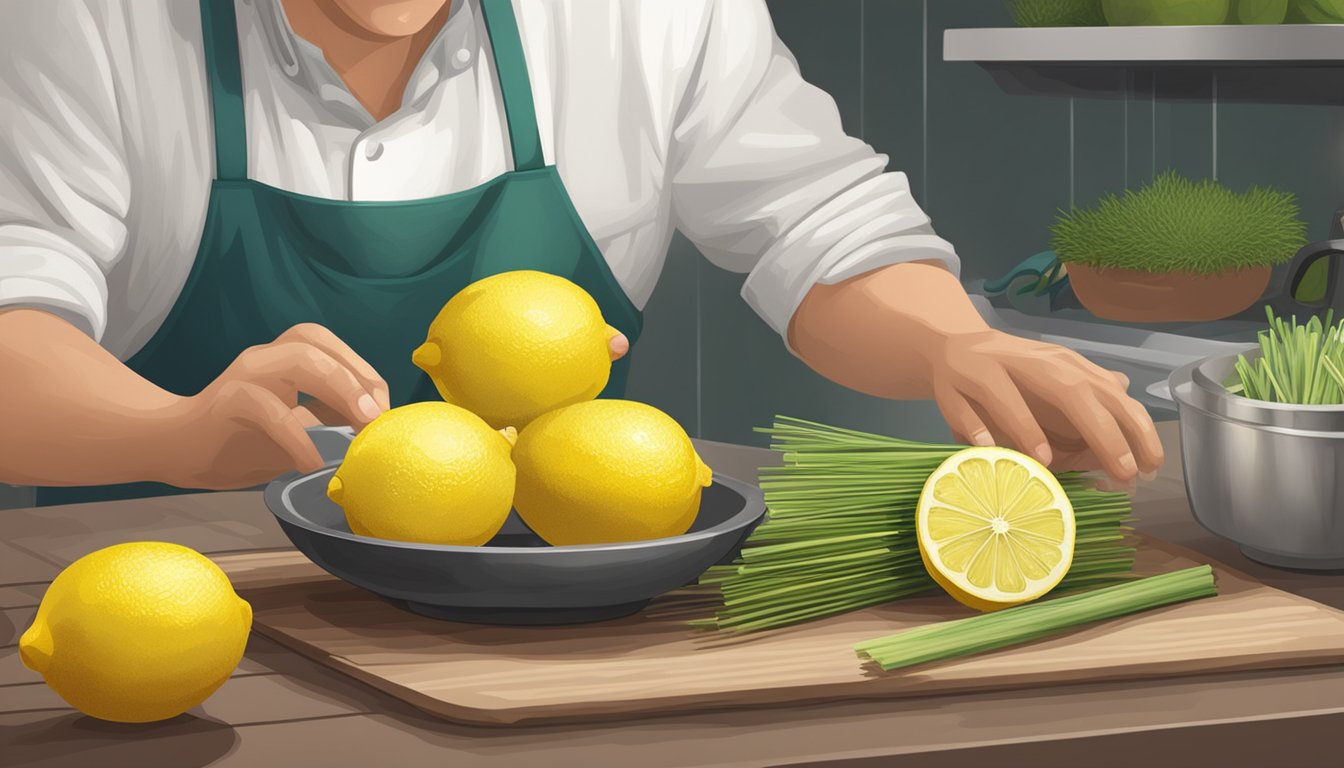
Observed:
{"x":1193,"y":387}
{"x":278,"y":492}
{"x":1203,"y":380}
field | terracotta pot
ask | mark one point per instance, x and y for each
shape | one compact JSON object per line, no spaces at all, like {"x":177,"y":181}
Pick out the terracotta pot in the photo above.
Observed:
{"x":1131,"y":296}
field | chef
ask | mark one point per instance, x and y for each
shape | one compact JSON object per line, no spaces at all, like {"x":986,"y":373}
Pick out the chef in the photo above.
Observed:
{"x":209,"y":208}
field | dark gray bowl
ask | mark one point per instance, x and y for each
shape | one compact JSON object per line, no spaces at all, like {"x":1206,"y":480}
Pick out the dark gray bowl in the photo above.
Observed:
{"x":516,"y":578}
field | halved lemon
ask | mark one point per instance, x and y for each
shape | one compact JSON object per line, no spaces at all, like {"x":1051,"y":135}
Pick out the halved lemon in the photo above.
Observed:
{"x":995,"y":528}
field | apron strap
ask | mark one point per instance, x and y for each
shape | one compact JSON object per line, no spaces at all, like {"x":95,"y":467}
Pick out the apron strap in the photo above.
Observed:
{"x":514,"y":85}
{"x":224,"y":76}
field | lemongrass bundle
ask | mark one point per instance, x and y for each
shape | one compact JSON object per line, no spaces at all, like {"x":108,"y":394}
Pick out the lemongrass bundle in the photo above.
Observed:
{"x":1299,"y":363}
{"x":841,"y":531}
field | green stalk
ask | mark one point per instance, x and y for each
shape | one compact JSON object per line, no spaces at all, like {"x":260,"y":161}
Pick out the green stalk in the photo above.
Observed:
{"x":841,"y":531}
{"x":1300,"y":363}
{"x":1023,"y":623}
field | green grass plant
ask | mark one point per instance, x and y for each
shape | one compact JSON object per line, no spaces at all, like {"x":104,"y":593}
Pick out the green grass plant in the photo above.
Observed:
{"x":1179,"y":225}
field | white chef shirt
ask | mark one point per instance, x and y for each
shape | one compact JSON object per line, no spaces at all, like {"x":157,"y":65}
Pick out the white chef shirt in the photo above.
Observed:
{"x":659,"y":115}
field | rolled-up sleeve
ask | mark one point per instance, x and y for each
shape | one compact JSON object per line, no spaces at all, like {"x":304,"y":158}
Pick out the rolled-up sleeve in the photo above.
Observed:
{"x":765,"y":180}
{"x":64,"y":188}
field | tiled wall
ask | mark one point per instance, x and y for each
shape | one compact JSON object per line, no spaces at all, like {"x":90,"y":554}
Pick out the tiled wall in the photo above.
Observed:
{"x":991,"y":169}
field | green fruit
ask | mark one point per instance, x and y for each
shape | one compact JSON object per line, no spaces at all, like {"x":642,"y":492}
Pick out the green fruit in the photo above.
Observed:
{"x":1153,"y":13}
{"x":1057,"y":13}
{"x":1316,"y":12}
{"x":1259,"y":11}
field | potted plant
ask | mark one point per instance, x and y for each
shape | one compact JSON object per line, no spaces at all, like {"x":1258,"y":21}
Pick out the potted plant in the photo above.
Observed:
{"x":1146,"y":13}
{"x":1057,"y":13}
{"x":1177,"y":250}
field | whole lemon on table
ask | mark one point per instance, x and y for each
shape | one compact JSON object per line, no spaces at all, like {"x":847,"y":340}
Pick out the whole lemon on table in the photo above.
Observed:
{"x":137,"y":632}
{"x":518,"y":344}
{"x":607,"y":471}
{"x":426,"y":472}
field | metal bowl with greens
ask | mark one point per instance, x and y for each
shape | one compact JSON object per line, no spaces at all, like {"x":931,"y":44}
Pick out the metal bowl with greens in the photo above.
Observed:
{"x":1262,"y":444}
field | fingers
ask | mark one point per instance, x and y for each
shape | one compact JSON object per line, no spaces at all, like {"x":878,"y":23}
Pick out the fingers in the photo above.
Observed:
{"x":1108,"y":483}
{"x":619,"y":346}
{"x":1007,"y":390}
{"x":325,"y":340}
{"x":1003,"y":405}
{"x":1111,"y":389}
{"x":967,"y":426}
{"x":1098,"y":427}
{"x":302,"y":367}
{"x":306,"y":417}
{"x":259,"y":407}
{"x":1140,"y":432}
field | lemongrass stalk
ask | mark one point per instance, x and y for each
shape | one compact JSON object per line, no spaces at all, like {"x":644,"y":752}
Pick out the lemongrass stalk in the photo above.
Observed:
{"x":1020,"y":624}
{"x":840,"y":535}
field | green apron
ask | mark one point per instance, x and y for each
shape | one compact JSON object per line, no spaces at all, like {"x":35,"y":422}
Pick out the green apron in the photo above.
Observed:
{"x":375,"y":273}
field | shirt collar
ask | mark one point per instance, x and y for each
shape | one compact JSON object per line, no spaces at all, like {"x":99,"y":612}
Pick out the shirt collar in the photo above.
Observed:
{"x":305,"y":64}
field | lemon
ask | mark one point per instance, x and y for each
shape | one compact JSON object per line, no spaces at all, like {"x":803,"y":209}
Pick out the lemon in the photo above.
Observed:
{"x":607,"y":471}
{"x":518,"y":344}
{"x":426,"y":472}
{"x":995,"y":528}
{"x":137,"y":632}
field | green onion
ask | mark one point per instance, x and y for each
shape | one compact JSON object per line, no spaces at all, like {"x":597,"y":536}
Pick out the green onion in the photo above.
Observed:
{"x":841,"y":532}
{"x":1302,"y":364}
{"x":990,"y":631}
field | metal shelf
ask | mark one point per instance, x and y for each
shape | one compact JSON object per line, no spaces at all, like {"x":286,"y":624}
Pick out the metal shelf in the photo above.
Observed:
{"x":1286,"y":64}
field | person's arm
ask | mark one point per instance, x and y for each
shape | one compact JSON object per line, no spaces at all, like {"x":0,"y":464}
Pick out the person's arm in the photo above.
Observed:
{"x":72,"y":414}
{"x":765,"y":181}
{"x":909,"y":331}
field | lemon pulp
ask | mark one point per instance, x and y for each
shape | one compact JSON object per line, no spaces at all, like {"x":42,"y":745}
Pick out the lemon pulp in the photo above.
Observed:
{"x":995,"y":528}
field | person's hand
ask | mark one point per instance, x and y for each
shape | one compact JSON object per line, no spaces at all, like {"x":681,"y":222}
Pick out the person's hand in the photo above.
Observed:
{"x":619,"y":346}
{"x":247,"y":426}
{"x":1046,"y":401}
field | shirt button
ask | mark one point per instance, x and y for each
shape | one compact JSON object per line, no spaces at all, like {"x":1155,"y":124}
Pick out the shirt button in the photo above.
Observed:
{"x":373,"y":150}
{"x":462,"y":58}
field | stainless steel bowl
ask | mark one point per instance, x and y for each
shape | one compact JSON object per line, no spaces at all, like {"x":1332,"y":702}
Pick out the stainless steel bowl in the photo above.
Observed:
{"x":1267,"y":476}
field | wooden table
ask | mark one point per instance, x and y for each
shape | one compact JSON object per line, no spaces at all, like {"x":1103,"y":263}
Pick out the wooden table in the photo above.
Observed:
{"x":283,"y":710}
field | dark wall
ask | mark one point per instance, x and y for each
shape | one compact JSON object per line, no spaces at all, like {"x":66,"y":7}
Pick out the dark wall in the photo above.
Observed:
{"x":991,"y":169}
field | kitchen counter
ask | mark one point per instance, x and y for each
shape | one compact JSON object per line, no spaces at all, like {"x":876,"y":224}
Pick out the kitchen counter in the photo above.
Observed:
{"x":283,"y":710}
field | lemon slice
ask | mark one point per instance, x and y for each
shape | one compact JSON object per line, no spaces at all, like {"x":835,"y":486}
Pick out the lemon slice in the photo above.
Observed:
{"x":995,"y":528}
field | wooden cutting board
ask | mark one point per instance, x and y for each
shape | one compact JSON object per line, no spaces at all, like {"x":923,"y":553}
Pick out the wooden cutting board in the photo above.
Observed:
{"x":652,"y":663}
